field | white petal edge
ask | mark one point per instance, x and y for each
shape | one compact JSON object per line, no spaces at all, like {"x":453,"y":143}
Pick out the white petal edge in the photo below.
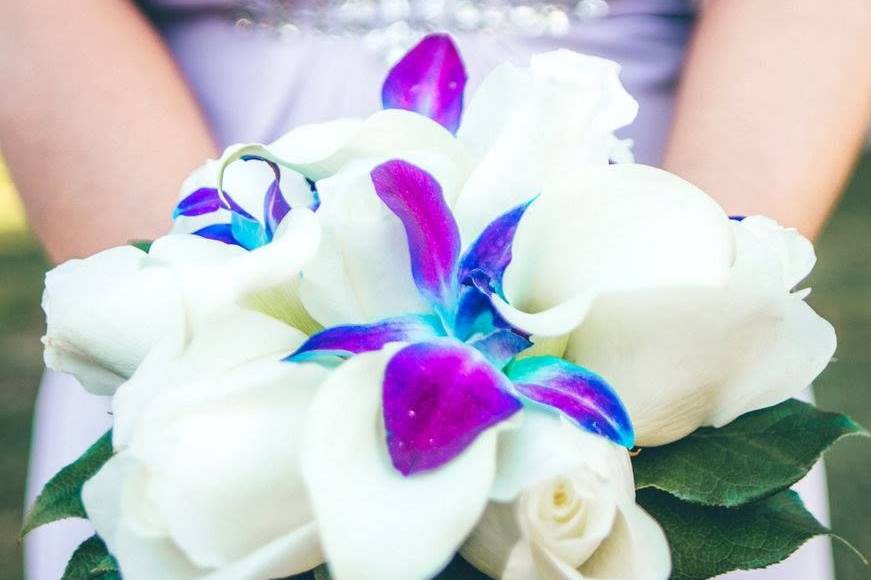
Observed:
{"x":556,"y":115}
{"x":610,"y":229}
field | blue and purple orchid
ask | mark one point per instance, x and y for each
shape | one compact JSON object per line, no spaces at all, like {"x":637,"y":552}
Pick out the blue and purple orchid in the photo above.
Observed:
{"x":242,"y":229}
{"x":459,"y":374}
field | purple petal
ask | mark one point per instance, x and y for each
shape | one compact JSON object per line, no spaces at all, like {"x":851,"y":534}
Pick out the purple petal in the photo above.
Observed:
{"x":202,"y":201}
{"x":581,"y":395}
{"x":433,"y":237}
{"x":218,"y":232}
{"x":501,"y":346}
{"x":438,"y":397}
{"x":275,"y":206}
{"x":345,"y":341}
{"x":491,"y":252}
{"x":430,"y":80}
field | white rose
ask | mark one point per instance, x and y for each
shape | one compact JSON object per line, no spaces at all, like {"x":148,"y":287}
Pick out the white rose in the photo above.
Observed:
{"x":636,"y":274}
{"x":685,"y":357}
{"x":104,"y":313}
{"x":205,"y":482}
{"x":581,"y":523}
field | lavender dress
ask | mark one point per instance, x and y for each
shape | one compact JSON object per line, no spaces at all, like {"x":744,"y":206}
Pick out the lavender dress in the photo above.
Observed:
{"x":253,"y":85}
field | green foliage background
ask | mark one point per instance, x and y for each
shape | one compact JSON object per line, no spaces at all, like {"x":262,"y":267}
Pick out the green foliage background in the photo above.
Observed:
{"x":842,"y":293}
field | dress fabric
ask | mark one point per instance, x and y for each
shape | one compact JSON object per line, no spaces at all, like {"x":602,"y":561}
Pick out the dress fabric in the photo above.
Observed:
{"x":253,"y":85}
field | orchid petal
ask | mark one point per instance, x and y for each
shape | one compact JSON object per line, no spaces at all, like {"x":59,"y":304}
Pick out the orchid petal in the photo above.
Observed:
{"x":249,"y":232}
{"x":438,"y":398}
{"x":373,"y":522}
{"x":477,"y":314}
{"x":220,"y":233}
{"x":206,"y":200}
{"x":275,"y":206}
{"x":429,"y":80}
{"x":501,"y":346}
{"x":202,"y":201}
{"x":578,"y":393}
{"x":363,"y":270}
{"x":491,"y":252}
{"x":345,"y":341}
{"x":433,"y":237}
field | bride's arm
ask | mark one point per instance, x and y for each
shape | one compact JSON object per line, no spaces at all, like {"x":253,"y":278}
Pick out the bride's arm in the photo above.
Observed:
{"x":774,"y":105}
{"x":96,"y":124}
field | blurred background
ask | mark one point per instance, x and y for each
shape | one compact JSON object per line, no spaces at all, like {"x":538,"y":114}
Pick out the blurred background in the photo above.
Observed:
{"x":841,"y":293}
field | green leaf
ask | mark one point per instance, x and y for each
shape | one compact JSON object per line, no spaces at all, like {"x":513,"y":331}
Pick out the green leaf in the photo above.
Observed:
{"x":755,"y":456}
{"x":62,"y":496}
{"x":92,"y":561}
{"x":144,"y":245}
{"x":707,"y":541}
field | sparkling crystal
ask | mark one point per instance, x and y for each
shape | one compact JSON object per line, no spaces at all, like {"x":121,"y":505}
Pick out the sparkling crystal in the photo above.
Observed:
{"x":394,"y":10}
{"x":467,"y":16}
{"x":558,"y":23}
{"x":389,"y":26}
{"x":591,"y":9}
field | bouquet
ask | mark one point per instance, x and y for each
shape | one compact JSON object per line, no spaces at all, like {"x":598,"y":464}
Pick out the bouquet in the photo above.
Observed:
{"x":445,"y":343}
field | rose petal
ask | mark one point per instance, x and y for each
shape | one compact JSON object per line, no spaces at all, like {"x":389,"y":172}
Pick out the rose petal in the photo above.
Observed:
{"x":438,"y":398}
{"x":583,"y":396}
{"x":635,"y":548}
{"x":108,"y":502}
{"x":608,"y":229}
{"x":105,"y":312}
{"x":547,"y":445}
{"x":529,"y":127}
{"x":682,"y":358}
{"x":544,"y":447}
{"x":253,"y":412}
{"x":227,"y":339}
{"x":364,"y":505}
{"x":345,"y":341}
{"x":429,"y":80}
